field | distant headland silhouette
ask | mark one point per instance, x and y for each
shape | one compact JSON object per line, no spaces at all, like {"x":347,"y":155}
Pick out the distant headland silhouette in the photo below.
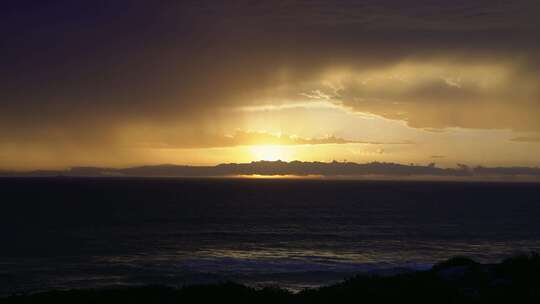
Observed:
{"x":293,"y":168}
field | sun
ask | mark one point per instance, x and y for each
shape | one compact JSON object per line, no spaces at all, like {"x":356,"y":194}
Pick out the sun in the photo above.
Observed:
{"x":269,"y":152}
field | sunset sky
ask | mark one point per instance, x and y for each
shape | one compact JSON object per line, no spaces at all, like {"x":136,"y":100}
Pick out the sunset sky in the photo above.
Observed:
{"x":123,"y":83}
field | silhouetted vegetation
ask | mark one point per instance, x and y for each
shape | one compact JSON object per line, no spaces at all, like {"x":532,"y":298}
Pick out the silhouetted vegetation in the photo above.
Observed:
{"x":458,"y":280}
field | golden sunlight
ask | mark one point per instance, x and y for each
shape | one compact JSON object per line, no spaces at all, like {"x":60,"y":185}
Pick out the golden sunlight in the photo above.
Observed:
{"x":270,"y":152}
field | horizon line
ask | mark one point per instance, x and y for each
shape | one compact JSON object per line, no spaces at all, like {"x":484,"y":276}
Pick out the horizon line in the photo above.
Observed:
{"x":433,"y":164}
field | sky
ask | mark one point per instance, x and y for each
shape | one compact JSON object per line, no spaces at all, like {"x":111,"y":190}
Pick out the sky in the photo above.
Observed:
{"x":124,"y":83}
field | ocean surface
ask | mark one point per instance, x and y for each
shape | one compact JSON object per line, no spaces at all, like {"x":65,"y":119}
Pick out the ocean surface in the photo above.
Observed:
{"x":96,"y":232}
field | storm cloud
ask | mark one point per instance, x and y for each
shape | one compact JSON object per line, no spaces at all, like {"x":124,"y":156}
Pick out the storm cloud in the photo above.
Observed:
{"x":81,"y":72}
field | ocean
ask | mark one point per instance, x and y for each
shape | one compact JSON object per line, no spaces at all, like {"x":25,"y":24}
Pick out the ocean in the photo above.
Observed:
{"x":61,"y":233}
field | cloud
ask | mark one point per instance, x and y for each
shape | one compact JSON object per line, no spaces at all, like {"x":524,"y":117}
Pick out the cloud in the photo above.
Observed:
{"x":438,"y":93}
{"x":76,"y":74}
{"x":242,"y":138}
{"x":527,"y":139}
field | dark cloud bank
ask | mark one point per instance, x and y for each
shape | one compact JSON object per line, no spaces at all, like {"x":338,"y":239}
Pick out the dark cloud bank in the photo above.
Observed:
{"x":241,"y":138}
{"x":75,"y":71}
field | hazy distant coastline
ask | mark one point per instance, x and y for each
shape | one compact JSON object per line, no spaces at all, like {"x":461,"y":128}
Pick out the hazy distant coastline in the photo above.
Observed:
{"x":299,"y":169}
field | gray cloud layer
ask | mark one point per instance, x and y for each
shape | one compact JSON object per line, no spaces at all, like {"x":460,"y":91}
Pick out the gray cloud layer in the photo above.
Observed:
{"x":75,"y":72}
{"x":241,"y":138}
{"x":527,"y":139}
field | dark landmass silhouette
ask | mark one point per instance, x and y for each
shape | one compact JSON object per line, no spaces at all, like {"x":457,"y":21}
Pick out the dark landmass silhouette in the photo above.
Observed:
{"x":293,"y":168}
{"x":457,"y":280}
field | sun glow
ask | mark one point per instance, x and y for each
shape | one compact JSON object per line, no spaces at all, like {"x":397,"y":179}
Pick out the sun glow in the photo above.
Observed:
{"x":270,"y":152}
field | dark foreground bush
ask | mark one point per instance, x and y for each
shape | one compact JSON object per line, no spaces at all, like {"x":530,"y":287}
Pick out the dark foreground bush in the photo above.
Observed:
{"x":458,"y":280}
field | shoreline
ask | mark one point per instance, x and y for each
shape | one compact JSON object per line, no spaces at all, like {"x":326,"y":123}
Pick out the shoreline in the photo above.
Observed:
{"x":456,"y":280}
